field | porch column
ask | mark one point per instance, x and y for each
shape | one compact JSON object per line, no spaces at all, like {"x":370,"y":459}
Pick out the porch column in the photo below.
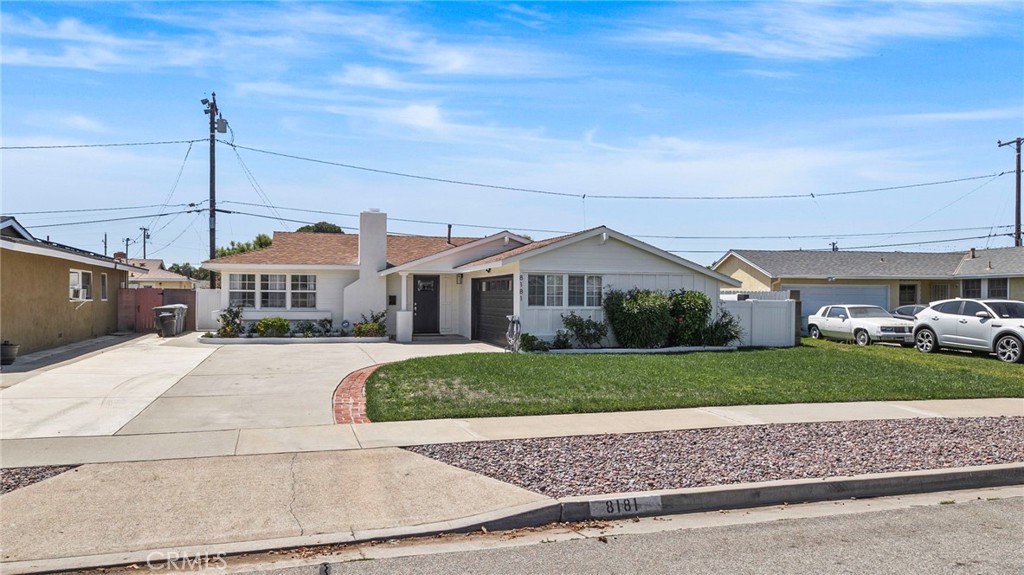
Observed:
{"x":403,"y":317}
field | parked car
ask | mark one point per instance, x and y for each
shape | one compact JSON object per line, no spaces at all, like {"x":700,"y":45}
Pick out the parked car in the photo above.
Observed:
{"x":908,"y":312}
{"x":861,"y":323}
{"x":988,"y":325}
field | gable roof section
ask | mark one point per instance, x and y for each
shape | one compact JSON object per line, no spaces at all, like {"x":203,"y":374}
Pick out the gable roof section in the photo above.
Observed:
{"x":330,"y":250}
{"x":998,"y":262}
{"x":506,"y":235}
{"x":825,"y":264}
{"x":11,"y":228}
{"x":543,"y":246}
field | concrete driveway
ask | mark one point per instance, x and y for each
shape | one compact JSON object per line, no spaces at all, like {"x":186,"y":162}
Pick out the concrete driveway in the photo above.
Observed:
{"x":153,"y":386}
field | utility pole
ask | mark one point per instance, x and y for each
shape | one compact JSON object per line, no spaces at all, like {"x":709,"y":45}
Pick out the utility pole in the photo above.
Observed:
{"x":126,"y":242}
{"x":104,"y":244}
{"x":1016,"y":213}
{"x":217,"y":124}
{"x":145,"y":236}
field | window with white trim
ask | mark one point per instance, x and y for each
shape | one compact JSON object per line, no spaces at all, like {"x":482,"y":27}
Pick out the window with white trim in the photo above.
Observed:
{"x":242,"y":290}
{"x":303,"y":291}
{"x":273,"y":290}
{"x":999,"y":288}
{"x":584,"y":291}
{"x":564,"y":290}
{"x":79,"y":285}
{"x":103,"y":287}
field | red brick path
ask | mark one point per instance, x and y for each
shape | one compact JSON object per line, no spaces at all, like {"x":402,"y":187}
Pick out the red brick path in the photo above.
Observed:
{"x":350,"y":397}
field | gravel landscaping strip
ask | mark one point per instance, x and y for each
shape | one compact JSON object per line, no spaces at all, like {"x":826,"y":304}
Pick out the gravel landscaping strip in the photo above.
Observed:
{"x":599,"y":464}
{"x":18,"y":477}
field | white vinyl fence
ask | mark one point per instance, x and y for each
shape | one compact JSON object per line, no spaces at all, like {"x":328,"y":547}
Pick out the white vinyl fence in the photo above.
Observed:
{"x":207,"y":302}
{"x":765,"y":323}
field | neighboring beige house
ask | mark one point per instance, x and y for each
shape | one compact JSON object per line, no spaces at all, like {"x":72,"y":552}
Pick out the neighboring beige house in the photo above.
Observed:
{"x":448,"y":285}
{"x":52,"y":294}
{"x":156,"y":275}
{"x":887,"y":279}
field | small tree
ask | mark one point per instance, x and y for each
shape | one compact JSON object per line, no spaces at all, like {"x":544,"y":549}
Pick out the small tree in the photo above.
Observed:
{"x":691,"y":311}
{"x":322,"y":228}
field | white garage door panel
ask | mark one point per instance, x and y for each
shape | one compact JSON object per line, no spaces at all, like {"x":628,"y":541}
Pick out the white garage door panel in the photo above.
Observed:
{"x":813,"y":297}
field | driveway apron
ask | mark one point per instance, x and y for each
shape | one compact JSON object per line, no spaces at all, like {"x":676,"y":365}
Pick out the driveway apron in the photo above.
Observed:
{"x":97,"y":395}
{"x":269,"y":386}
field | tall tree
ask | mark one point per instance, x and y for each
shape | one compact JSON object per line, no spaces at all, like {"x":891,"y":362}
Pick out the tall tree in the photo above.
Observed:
{"x":322,"y":227}
{"x":186,"y":269}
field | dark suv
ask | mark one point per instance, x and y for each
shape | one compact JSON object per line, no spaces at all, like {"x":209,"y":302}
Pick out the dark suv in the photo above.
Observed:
{"x":989,"y":325}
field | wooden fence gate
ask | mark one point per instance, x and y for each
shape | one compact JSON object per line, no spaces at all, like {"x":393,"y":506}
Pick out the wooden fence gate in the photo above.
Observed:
{"x":135,"y":307}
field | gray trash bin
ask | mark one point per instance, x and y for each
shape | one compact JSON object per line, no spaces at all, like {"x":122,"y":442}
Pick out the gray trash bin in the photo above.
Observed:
{"x":166,"y":325}
{"x":177,"y":313}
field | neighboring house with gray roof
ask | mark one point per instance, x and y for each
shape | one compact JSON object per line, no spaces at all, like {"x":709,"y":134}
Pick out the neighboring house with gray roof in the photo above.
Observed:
{"x":449,"y":285}
{"x":887,"y":279}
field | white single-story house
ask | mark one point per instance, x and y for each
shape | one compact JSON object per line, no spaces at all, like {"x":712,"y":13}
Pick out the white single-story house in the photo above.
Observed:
{"x":449,"y":285}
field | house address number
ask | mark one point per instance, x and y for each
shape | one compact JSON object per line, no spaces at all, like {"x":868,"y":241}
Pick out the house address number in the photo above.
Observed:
{"x":626,"y":506}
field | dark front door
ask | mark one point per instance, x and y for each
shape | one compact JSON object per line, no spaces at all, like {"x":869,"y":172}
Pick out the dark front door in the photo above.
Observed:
{"x":492,"y":304}
{"x":426,"y":304}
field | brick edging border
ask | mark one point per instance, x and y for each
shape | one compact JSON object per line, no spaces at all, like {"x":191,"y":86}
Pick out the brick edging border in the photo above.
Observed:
{"x":350,"y":396}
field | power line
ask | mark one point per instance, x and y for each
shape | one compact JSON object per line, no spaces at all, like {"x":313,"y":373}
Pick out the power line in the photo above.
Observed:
{"x":402,"y":174}
{"x":275,"y":218}
{"x":810,"y":195}
{"x":921,"y":243}
{"x":69,"y":146}
{"x":647,"y":236}
{"x":102,"y":209}
{"x":112,"y":220}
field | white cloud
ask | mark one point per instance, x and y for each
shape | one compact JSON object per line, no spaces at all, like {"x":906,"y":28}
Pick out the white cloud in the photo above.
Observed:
{"x":802,"y":31}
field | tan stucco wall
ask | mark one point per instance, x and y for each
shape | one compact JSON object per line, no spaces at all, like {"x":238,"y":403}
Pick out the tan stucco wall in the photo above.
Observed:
{"x":166,"y":284}
{"x":1017,"y":288}
{"x":35,"y":311}
{"x":751,"y":278}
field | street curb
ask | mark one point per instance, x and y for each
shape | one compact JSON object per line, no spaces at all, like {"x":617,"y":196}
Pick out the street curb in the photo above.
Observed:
{"x":699,"y":499}
{"x":586,"y":508}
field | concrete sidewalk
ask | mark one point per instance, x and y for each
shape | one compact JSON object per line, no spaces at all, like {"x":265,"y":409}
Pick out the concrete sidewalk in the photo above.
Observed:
{"x":254,"y":441}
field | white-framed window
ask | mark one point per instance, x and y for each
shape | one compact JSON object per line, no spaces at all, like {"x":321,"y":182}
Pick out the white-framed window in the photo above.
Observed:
{"x":103,"y":287}
{"x":564,"y":290}
{"x":80,"y":285}
{"x":303,"y":291}
{"x":999,"y":288}
{"x":273,"y":290}
{"x":584,"y":291}
{"x":242,"y":290}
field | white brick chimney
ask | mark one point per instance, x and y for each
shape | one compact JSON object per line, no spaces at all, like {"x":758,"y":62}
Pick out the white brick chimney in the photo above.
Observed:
{"x":368,"y":293}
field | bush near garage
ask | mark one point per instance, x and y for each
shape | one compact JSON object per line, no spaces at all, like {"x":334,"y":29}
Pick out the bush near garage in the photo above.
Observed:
{"x":273,"y":327}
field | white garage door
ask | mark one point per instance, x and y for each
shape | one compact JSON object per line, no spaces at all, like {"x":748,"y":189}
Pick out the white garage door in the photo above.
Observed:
{"x":813,"y":297}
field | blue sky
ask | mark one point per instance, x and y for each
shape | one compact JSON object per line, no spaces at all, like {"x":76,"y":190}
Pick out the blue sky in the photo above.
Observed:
{"x":715,"y":100}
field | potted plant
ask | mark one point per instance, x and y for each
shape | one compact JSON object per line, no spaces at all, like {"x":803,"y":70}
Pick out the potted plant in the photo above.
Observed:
{"x":8,"y":352}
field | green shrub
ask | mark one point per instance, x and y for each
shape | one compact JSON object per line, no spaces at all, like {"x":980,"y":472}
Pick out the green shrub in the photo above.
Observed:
{"x":529,"y":342}
{"x":586,"y":331}
{"x":723,"y":331}
{"x":230,"y":322}
{"x":561,"y":341}
{"x":326,"y":325}
{"x":639,"y":318}
{"x":306,"y":328}
{"x":691,"y":312}
{"x":272,"y":327}
{"x":372,"y":326}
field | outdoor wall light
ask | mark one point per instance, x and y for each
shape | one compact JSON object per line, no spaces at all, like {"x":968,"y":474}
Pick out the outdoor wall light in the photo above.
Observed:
{"x":458,"y":278}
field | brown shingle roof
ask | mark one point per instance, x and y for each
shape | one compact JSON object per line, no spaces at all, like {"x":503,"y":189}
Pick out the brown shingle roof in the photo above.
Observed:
{"x":310,"y":248}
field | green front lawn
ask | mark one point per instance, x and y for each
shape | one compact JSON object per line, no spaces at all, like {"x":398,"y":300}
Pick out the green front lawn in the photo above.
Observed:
{"x":494,"y":384}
